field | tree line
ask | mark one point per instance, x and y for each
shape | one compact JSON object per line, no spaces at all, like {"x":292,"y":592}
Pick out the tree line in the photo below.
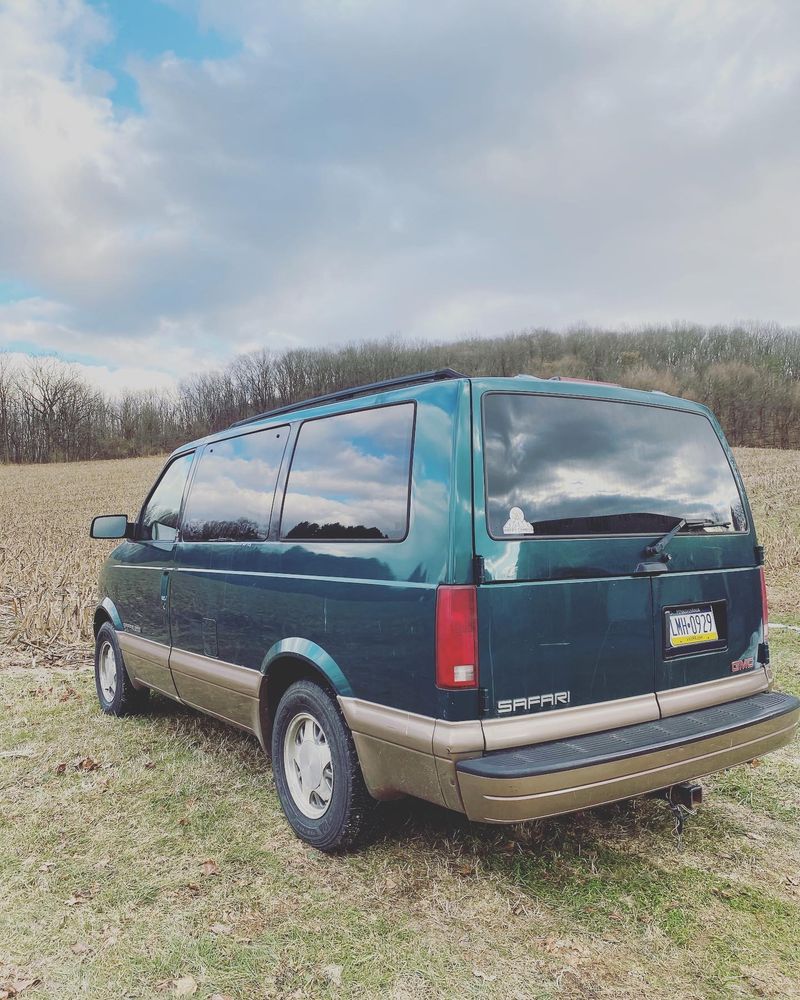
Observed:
{"x":749,"y":376}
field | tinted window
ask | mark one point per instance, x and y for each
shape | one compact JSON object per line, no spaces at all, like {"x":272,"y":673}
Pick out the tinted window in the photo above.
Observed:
{"x":350,"y":476}
{"x":159,"y":520}
{"x":560,"y":466}
{"x":232,"y":490}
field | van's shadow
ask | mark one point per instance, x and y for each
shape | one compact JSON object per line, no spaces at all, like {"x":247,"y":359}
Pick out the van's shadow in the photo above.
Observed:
{"x":520,"y":852}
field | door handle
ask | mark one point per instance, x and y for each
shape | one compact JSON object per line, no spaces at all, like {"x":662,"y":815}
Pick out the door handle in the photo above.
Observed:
{"x":164,"y":588}
{"x":651,"y":567}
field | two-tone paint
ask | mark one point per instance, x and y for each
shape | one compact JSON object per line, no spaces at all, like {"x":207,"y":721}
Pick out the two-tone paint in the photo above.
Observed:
{"x":221,"y":625}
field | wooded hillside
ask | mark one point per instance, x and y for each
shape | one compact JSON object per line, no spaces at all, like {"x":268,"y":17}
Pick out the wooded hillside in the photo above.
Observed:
{"x":749,"y":376}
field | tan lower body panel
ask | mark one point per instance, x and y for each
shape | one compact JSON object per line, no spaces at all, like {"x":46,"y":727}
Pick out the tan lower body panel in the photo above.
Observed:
{"x":509,"y":731}
{"x":391,"y":771}
{"x":147,"y":663}
{"x":224,"y":690}
{"x":402,"y":753}
{"x":513,"y":800}
{"x":695,"y":696}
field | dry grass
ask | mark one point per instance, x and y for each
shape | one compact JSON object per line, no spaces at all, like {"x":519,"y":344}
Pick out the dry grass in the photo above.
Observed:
{"x":105,"y":825}
{"x":773,"y":484}
{"x":48,"y":564}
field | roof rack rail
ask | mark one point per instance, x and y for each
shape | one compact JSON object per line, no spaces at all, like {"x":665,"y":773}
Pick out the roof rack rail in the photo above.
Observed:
{"x":437,"y":375}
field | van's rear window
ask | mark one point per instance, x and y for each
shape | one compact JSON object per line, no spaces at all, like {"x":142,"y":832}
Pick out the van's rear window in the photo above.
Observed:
{"x":558,"y":465}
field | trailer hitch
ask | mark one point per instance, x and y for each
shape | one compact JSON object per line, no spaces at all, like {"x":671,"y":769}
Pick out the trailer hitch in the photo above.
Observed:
{"x":683,"y":801}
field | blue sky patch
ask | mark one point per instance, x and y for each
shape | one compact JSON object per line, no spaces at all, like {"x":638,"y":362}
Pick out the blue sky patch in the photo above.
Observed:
{"x":146,"y":29}
{"x":13,"y":291}
{"x":36,"y":350}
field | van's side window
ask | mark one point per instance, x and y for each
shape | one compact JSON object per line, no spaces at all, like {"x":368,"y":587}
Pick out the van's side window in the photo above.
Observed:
{"x":159,"y":520}
{"x":349,"y":477}
{"x":230,"y":499}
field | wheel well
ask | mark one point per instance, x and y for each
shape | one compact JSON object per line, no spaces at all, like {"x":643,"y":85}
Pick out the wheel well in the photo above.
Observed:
{"x":101,"y":616}
{"x":280,"y":675}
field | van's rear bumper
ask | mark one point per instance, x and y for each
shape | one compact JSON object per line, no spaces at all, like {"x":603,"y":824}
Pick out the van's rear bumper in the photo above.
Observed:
{"x":509,"y":786}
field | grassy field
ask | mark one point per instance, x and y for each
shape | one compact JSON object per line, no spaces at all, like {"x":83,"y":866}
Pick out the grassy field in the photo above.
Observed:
{"x":148,"y":857}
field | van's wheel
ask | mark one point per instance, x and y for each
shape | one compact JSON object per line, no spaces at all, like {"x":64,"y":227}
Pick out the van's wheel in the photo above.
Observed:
{"x":115,"y":691}
{"x":316,"y":770}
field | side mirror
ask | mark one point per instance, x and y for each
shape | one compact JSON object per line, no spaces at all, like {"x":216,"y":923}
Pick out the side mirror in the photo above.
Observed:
{"x":110,"y":526}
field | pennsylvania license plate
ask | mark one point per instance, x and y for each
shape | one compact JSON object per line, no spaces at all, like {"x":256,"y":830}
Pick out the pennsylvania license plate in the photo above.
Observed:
{"x":691,"y":627}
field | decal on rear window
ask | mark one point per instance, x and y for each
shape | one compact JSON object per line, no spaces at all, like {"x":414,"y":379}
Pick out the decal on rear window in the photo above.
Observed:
{"x":516,"y":523}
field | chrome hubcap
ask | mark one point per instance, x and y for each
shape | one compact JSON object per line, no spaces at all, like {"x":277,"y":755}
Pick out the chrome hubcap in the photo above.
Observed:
{"x":107,"y":670}
{"x":309,"y":770}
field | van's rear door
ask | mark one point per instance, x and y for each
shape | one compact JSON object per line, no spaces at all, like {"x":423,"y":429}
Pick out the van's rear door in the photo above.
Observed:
{"x":572,"y":483}
{"x":708,"y":630}
{"x":709,"y":626}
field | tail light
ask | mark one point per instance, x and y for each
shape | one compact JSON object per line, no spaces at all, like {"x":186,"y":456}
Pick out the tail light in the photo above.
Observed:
{"x":456,"y":638}
{"x":764,"y":607}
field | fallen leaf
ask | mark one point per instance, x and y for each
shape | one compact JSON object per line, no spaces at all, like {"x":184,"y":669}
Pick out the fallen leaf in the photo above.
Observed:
{"x":149,"y":765}
{"x":16,"y":985}
{"x":220,"y":928}
{"x":81,"y":895}
{"x":186,"y":986}
{"x":210,"y":867}
{"x":46,"y":866}
{"x":61,"y":768}
{"x":183,"y":821}
{"x":333,"y":973}
{"x":87,"y":764}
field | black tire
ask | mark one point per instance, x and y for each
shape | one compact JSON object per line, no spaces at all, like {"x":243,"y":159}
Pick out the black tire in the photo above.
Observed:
{"x":124,"y":699}
{"x":345,"y":823}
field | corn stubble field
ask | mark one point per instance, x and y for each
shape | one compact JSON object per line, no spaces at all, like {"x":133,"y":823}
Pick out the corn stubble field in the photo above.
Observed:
{"x":148,"y":857}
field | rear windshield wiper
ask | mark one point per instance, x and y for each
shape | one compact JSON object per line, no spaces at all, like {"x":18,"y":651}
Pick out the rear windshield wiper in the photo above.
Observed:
{"x":704,"y":522}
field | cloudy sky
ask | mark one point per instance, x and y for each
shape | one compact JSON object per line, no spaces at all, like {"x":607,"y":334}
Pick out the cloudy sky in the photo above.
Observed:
{"x":183,"y":180}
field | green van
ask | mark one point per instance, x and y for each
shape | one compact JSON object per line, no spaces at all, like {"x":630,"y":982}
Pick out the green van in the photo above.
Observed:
{"x":513,"y":597}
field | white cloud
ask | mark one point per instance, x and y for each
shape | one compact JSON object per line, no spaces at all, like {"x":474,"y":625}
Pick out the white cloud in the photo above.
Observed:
{"x":362,"y":168}
{"x":110,"y":380}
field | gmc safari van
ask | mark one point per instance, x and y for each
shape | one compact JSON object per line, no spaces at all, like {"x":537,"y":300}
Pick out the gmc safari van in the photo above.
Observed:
{"x":513,"y":597}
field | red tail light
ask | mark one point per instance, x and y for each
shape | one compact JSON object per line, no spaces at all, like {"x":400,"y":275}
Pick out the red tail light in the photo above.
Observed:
{"x":456,"y":638}
{"x":764,"y":607}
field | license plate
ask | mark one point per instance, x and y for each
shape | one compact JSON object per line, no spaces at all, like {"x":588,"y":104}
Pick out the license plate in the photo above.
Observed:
{"x":691,"y":627}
